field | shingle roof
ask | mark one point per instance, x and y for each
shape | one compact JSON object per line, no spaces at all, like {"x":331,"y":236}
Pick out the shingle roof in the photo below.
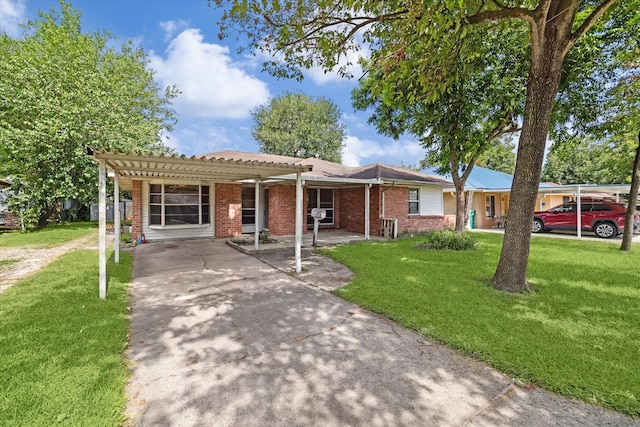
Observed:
{"x":380,"y":170}
{"x":326,"y":169}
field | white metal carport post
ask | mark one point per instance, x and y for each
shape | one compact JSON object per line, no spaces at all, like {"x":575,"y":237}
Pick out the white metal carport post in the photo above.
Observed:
{"x":579,"y":213}
{"x":116,"y":217}
{"x":367,"y":231}
{"x":256,"y":221}
{"x":298,"y":237}
{"x":102,"y":228}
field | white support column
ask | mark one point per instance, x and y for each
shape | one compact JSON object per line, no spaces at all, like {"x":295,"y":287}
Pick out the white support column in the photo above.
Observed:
{"x":257,"y":216}
{"x":579,"y":207}
{"x":367,"y":225}
{"x":102,"y":228}
{"x":116,"y":217}
{"x":298,"y":237}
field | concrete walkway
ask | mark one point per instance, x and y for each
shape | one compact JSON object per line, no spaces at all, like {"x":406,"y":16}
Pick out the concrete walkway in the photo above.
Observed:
{"x":221,"y":338}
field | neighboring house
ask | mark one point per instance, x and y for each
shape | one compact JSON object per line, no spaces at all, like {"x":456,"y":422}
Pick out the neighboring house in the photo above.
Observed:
{"x":491,"y":192}
{"x":213,"y":206}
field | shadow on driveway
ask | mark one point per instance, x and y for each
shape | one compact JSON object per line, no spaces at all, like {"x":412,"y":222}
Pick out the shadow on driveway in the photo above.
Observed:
{"x":221,"y":338}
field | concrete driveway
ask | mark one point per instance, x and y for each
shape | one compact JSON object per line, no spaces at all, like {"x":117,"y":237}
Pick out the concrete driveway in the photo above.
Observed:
{"x":222,"y":339}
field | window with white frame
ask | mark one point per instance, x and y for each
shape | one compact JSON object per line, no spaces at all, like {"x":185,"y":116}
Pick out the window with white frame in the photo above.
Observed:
{"x":414,"y":201}
{"x":178,"y":204}
{"x":490,"y":206}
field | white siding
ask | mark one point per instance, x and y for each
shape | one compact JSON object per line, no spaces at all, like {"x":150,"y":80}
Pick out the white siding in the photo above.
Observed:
{"x":431,"y":201}
{"x":168,"y":233}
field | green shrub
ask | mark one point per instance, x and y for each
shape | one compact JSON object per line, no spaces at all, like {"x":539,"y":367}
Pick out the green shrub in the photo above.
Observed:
{"x":448,"y":239}
{"x":125,"y":237}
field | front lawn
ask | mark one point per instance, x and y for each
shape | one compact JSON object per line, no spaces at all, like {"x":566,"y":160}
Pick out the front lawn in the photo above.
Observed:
{"x":61,"y":358}
{"x":578,"y":334}
{"x":52,"y":235}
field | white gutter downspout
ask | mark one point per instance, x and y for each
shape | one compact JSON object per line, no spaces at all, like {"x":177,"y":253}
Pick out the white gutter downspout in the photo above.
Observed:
{"x":393,"y":184}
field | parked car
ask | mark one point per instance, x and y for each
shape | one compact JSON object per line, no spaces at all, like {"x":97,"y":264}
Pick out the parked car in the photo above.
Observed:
{"x":605,"y":219}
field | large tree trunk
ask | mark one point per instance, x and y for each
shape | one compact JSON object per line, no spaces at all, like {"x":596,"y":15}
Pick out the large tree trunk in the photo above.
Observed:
{"x":549,"y":39}
{"x":461,"y":206}
{"x":627,"y":236}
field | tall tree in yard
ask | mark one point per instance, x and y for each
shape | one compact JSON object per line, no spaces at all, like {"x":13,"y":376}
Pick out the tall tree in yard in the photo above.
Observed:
{"x":298,"y":125}
{"x":304,"y":34}
{"x":463,"y":123}
{"x":62,"y":90}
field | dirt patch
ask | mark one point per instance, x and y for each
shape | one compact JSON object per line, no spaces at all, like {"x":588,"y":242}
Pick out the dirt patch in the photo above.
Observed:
{"x":22,"y":262}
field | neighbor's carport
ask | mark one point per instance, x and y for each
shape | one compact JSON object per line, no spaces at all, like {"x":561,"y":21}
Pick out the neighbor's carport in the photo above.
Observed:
{"x":126,"y":167}
{"x":577,"y":191}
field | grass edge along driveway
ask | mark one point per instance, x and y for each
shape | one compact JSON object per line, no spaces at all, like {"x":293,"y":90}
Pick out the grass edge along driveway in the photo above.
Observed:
{"x":577,"y":334}
{"x":62,"y":358}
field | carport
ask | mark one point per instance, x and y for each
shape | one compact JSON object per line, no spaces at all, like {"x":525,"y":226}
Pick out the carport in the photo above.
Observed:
{"x":125,"y":167}
{"x":577,"y":191}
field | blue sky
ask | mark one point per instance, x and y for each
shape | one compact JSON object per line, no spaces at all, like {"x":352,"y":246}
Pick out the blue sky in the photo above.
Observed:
{"x":219,"y":87}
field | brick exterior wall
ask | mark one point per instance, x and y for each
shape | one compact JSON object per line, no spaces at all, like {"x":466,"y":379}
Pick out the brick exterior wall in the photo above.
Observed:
{"x":352,"y":209}
{"x":9,"y":220}
{"x":136,"y":209}
{"x":396,"y":205}
{"x":228,"y":210}
{"x":282,"y":210}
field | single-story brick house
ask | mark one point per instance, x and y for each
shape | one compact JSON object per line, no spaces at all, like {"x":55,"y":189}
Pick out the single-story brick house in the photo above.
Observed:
{"x":226,"y":194}
{"x":166,"y":207}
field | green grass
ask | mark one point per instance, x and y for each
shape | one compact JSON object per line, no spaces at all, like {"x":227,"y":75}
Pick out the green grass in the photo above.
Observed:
{"x":52,"y":235}
{"x":4,"y":262}
{"x":61,"y":358}
{"x":577,"y":334}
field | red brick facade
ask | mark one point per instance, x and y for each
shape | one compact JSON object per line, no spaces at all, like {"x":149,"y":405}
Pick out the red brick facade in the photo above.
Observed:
{"x":396,"y":205}
{"x":228,"y":210}
{"x":352,"y":209}
{"x":136,"y":209}
{"x":349,"y":210}
{"x":9,"y":220}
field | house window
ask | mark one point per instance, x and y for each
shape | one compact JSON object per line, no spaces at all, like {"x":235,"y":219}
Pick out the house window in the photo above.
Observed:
{"x":178,"y":204}
{"x":320,"y":198}
{"x":490,"y":206}
{"x":248,"y":206}
{"x":414,"y":201}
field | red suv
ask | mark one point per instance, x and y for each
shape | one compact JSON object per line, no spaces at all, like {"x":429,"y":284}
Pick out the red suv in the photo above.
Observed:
{"x":605,"y":219}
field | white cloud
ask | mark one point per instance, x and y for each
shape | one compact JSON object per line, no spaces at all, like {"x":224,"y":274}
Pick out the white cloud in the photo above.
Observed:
{"x":12,"y":13}
{"x":212,"y":85}
{"x":357,"y":150}
{"x":172,"y":27}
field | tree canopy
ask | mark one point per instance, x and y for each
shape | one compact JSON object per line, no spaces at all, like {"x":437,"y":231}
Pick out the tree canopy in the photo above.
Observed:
{"x":465,"y":121}
{"x":298,"y":125}
{"x":305,"y":34}
{"x":62,"y":90}
{"x":499,"y":157}
{"x":591,"y":162}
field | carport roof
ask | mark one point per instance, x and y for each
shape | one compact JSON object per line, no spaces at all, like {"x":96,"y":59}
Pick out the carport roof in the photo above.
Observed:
{"x":131,"y":166}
